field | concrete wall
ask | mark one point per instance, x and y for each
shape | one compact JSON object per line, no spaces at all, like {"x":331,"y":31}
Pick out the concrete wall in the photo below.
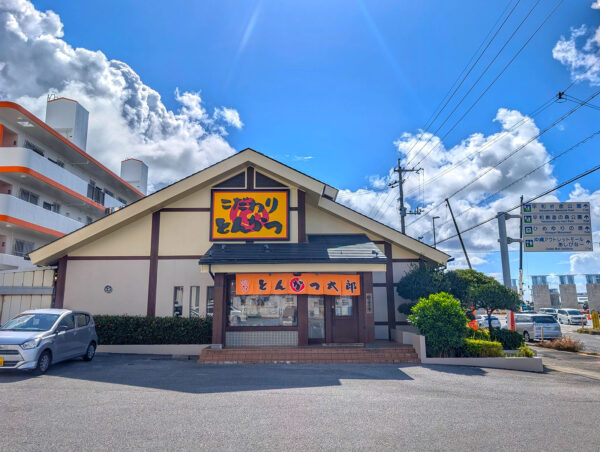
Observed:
{"x":568,"y":296}
{"x":541,"y":296}
{"x":87,"y":279}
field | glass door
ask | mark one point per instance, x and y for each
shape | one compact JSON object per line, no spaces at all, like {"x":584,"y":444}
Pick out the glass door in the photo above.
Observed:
{"x":316,"y":319}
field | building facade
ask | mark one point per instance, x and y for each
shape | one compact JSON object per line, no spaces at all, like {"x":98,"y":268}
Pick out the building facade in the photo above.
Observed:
{"x":49,"y":185}
{"x":265,"y":249}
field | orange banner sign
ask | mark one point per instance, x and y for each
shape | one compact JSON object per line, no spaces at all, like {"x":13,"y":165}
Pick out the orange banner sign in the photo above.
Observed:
{"x":288,"y":283}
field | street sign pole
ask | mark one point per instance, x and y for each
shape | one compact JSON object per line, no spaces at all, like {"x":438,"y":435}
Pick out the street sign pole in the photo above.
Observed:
{"x":503,"y":239}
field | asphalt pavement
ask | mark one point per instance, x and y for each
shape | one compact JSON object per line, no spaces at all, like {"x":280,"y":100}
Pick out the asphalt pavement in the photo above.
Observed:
{"x":124,"y":402}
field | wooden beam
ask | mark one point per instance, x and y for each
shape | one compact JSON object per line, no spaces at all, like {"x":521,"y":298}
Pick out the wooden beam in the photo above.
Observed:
{"x":153,"y":270}
{"x":302,"y":217}
{"x":61,"y":280}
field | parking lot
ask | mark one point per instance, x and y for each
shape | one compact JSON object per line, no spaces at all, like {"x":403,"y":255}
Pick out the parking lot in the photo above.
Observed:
{"x":139,"y":402}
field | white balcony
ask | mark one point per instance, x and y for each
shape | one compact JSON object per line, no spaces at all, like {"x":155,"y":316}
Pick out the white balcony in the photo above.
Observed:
{"x":25,"y":211}
{"x":29,"y":159}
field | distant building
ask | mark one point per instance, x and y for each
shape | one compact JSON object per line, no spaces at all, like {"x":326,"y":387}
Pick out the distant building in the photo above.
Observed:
{"x":50,"y":186}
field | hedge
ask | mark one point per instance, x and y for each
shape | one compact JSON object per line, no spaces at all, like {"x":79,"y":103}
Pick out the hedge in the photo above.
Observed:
{"x":510,"y":340}
{"x":124,"y":329}
{"x":483,"y":349}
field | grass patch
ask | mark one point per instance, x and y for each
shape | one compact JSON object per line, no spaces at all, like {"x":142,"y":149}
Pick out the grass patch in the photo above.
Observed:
{"x":566,"y":344}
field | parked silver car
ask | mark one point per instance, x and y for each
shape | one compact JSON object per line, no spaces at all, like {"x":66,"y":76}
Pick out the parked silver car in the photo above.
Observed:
{"x":37,"y":338}
{"x":571,"y":317}
{"x":537,"y":326}
{"x":552,"y":311}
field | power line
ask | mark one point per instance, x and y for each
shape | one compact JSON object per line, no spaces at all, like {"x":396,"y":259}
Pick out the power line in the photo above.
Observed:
{"x":481,"y":223}
{"x":487,"y":145}
{"x":487,"y":170}
{"x":430,"y":121}
{"x":576,"y":145}
{"x":497,"y":77}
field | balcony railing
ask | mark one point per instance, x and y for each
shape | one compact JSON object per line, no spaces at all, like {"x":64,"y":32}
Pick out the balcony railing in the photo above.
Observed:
{"x":25,"y":211}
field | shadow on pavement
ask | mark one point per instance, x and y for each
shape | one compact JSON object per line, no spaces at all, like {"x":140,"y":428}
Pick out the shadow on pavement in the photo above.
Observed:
{"x":188,"y":376}
{"x":457,"y":370}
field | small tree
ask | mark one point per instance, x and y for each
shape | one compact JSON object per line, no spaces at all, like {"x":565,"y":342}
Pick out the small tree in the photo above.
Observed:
{"x":493,"y":296}
{"x":443,"y":323}
{"x":462,"y":283}
{"x":420,"y":282}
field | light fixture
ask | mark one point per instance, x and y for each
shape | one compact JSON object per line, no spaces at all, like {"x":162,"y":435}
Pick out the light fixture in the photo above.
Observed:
{"x":25,"y":123}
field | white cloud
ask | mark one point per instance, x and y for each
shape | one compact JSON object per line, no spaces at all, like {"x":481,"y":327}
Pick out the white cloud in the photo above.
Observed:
{"x":127,"y":117}
{"x":300,"y":158}
{"x":479,"y":152}
{"x":582,"y":59}
{"x":587,"y":262}
{"x":596,"y":4}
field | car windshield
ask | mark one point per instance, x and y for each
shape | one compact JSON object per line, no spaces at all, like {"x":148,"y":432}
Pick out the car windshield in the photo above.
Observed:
{"x":544,"y":319}
{"x":573,"y":312}
{"x":31,"y":322}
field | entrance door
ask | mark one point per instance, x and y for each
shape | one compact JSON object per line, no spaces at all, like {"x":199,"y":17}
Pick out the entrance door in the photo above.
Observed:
{"x":344,"y":320}
{"x":316,"y":319}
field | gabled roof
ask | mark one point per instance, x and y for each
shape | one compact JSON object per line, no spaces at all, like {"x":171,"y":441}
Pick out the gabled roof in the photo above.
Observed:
{"x":50,"y":253}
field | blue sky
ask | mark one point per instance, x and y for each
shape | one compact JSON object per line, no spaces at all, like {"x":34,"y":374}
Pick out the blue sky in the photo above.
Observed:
{"x":328,"y":87}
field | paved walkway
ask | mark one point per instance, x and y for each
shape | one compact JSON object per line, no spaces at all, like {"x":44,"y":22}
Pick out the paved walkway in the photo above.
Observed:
{"x":568,"y":362}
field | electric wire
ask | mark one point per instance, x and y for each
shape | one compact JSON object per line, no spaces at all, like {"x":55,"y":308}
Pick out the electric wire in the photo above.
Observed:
{"x":518,"y":149}
{"x":557,"y":187}
{"x":497,"y":77}
{"x":454,"y":89}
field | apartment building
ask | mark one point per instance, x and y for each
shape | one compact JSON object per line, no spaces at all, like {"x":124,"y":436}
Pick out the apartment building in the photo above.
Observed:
{"x":49,"y":185}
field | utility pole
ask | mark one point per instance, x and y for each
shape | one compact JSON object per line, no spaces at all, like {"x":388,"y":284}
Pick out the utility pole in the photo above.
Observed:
{"x":504,"y":241}
{"x":400,"y":183}
{"x":521,"y":254}
{"x":433,"y":222}
{"x":459,"y":236}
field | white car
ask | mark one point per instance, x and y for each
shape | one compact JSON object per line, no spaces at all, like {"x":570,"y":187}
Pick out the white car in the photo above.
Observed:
{"x":571,"y":317}
{"x":482,"y":321}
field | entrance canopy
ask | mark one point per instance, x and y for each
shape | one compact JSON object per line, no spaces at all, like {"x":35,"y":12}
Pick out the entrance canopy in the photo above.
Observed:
{"x":333,"y":250}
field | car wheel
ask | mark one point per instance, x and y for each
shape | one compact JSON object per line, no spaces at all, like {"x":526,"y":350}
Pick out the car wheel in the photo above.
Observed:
{"x":90,"y":353}
{"x":44,"y":362}
{"x":526,"y":337}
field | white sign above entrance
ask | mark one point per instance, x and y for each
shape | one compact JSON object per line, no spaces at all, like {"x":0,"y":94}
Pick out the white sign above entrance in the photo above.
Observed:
{"x":557,"y":226}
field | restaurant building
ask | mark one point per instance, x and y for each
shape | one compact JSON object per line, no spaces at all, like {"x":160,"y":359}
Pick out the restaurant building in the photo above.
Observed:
{"x":263,"y":248}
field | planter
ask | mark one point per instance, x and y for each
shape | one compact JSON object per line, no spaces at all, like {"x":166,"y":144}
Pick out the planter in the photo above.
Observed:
{"x":418,"y":342}
{"x":155,"y":349}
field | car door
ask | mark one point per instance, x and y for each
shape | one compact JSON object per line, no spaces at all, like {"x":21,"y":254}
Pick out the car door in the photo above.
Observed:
{"x":562,"y":316}
{"x":66,"y":339}
{"x":83,"y":336}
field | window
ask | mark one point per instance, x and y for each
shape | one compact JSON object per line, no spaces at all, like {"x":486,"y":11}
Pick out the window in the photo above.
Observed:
{"x":122,"y":201}
{"x":95,"y":193}
{"x":56,"y":207}
{"x":57,"y":162}
{"x":343,"y":306}
{"x":177,"y":301}
{"x":22,"y":247}
{"x":28,"y":196}
{"x":82,"y":320}
{"x":261,"y":310}
{"x":109,"y":193}
{"x":47,"y":205}
{"x":210,"y":300}
{"x":68,"y":321}
{"x":88,"y":220}
{"x":195,"y":301}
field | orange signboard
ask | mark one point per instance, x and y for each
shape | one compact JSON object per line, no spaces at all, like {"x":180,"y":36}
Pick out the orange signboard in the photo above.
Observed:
{"x":249,"y":215}
{"x":289,"y":283}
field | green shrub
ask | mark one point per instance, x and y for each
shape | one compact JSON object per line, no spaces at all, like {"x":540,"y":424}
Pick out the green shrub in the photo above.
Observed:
{"x":405,"y":308}
{"x":510,"y":340}
{"x":443,"y":323}
{"x":483,"y":349}
{"x":526,"y":352}
{"x":124,"y":329}
{"x":479,"y":333}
